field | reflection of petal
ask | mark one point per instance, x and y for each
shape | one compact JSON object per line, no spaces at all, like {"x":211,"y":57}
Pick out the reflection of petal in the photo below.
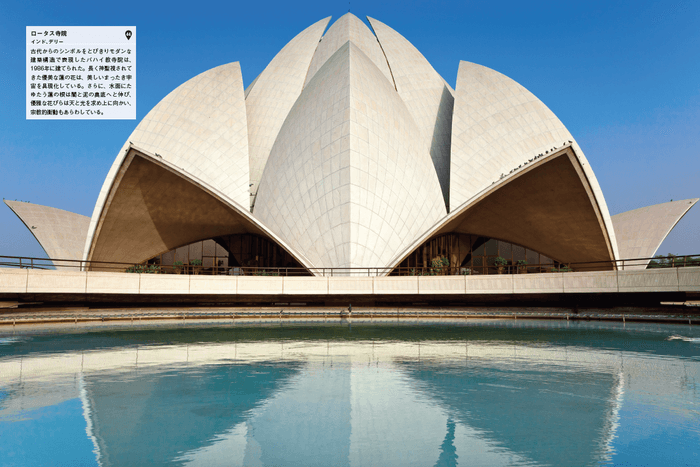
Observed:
{"x":547,"y":206}
{"x":307,"y":423}
{"x":534,"y":422}
{"x":194,"y":408}
{"x":228,"y":449}
{"x":60,"y":233}
{"x":640,"y":232}
{"x":253,"y":452}
{"x":393,"y":423}
{"x":87,"y":415}
{"x":476,"y":448}
{"x":617,"y":398}
{"x":345,"y":182}
{"x":153,"y":207}
{"x":448,"y":453}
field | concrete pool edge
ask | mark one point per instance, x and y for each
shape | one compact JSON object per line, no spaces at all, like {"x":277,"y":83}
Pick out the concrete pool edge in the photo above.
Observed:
{"x":311,"y":315}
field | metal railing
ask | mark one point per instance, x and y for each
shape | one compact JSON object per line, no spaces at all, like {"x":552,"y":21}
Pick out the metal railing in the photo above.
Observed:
{"x":196,"y":269}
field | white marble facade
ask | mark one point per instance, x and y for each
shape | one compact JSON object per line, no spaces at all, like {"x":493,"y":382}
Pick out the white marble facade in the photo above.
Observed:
{"x":640,"y":232}
{"x":348,"y":150}
{"x":270,"y":98}
{"x":60,"y":233}
{"x":427,"y":96}
{"x":356,"y":189}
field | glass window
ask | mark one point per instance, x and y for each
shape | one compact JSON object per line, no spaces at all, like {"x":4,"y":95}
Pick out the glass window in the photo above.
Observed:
{"x":479,"y":248}
{"x":209,"y":247}
{"x":492,"y":247}
{"x":221,"y":251}
{"x":182,"y":254}
{"x":505,"y":250}
{"x":518,"y":253}
{"x":168,"y":258}
{"x":467,"y":261}
{"x":195,"y":250}
{"x":533,"y":257}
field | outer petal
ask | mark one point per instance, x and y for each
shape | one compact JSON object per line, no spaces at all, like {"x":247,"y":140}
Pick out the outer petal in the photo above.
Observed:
{"x":345,"y":182}
{"x":348,"y":28}
{"x":153,"y":207}
{"x":60,"y":233}
{"x":271,"y":96}
{"x":547,"y":205}
{"x":498,"y":125}
{"x":428,"y":98}
{"x":640,"y":232}
{"x":201,"y":128}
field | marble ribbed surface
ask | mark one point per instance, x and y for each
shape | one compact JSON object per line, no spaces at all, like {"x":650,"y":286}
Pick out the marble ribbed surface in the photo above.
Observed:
{"x":199,"y":127}
{"x":60,"y":233}
{"x":497,"y":126}
{"x":345,"y":182}
{"x":426,"y":95}
{"x":274,"y":92}
{"x":640,"y":232}
{"x":348,"y":28}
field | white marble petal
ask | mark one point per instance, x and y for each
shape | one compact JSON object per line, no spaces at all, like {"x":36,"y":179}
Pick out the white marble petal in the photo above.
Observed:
{"x":497,"y":126}
{"x":200,"y":127}
{"x":271,"y":96}
{"x":428,"y":98}
{"x":345,"y":182}
{"x":60,"y":233}
{"x":640,"y":232}
{"x":348,"y":28}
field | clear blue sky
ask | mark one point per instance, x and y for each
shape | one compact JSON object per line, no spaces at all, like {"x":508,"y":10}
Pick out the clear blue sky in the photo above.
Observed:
{"x":624,"y":77}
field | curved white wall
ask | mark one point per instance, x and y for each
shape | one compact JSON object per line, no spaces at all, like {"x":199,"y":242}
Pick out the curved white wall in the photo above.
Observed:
{"x":345,"y":182}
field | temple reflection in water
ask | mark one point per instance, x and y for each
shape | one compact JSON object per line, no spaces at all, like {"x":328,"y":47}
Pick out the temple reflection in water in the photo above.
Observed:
{"x":495,"y":396}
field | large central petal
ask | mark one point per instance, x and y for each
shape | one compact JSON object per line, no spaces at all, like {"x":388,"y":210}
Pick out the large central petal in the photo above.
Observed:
{"x":346,"y":182}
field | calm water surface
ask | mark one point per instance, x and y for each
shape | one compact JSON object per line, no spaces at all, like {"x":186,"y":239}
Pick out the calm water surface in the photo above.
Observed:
{"x":498,"y":393}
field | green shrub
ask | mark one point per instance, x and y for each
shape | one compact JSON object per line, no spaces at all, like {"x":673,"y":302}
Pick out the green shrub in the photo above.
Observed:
{"x":263,"y":272}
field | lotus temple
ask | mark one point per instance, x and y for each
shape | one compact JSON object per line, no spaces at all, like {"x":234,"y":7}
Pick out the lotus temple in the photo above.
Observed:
{"x":349,"y":152}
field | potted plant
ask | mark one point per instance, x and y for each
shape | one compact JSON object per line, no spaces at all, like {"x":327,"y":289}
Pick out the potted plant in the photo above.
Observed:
{"x":197,"y":263}
{"x":522,"y":266}
{"x":177,"y":267}
{"x":438,"y":265}
{"x":500,"y":263}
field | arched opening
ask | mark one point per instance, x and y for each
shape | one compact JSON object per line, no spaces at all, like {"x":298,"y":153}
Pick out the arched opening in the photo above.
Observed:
{"x":242,"y":254}
{"x":466,"y":254}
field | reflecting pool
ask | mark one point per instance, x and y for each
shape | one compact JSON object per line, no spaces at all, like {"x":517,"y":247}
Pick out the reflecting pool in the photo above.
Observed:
{"x":501,"y":393}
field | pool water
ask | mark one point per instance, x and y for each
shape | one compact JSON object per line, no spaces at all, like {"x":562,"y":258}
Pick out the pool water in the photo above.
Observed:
{"x":500,"y":393}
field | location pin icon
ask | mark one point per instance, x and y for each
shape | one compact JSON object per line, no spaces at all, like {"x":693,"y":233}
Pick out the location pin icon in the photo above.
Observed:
{"x":127,"y":34}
